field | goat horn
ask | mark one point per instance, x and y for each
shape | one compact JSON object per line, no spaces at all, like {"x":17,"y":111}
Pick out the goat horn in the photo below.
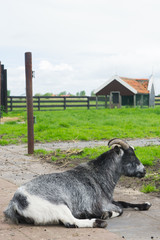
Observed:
{"x":118,"y":141}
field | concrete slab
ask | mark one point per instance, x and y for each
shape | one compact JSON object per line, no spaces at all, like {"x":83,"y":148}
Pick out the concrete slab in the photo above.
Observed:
{"x":27,"y":232}
{"x":134,"y":224}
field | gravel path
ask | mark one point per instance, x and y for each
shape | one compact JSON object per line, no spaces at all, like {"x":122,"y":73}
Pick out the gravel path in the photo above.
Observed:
{"x":83,"y":144}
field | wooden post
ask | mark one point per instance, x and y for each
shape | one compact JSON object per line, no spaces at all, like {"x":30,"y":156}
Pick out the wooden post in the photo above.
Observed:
{"x":28,"y":71}
{"x":0,"y":85}
{"x":105,"y":101}
{"x":141,"y":100}
{"x":96,"y":102}
{"x":11,"y":104}
{"x":5,"y":90}
{"x":88,"y":102}
{"x":134,"y":100}
{"x":64,"y":100}
{"x":39,"y":103}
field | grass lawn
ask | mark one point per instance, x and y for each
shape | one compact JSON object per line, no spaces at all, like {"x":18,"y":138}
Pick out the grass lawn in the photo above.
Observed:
{"x":83,"y":125}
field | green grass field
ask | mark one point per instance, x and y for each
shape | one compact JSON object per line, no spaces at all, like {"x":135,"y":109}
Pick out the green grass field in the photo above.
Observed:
{"x":83,"y":125}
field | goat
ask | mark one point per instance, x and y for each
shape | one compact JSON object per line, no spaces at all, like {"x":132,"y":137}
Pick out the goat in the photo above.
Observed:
{"x":80,"y":197}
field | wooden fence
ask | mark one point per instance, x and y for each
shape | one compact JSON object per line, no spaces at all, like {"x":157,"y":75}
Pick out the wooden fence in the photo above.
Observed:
{"x":157,"y":100}
{"x":3,"y":88}
{"x":42,"y":103}
{"x":51,"y":103}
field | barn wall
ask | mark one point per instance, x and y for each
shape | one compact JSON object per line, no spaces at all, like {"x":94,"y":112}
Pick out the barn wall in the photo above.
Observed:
{"x":127,"y":101}
{"x":113,"y":87}
{"x":152,"y":97}
{"x":142,"y":99}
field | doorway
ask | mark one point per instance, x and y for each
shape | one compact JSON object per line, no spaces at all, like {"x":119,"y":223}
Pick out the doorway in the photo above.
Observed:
{"x":115,"y":99}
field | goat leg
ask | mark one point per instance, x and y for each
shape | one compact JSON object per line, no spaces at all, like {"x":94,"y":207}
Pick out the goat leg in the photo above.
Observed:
{"x":111,"y":211}
{"x":141,"y":207}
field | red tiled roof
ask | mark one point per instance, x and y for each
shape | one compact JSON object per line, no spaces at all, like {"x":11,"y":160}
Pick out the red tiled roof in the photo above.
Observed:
{"x":140,"y":84}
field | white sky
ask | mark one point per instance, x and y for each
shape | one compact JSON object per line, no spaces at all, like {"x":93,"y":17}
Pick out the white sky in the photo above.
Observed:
{"x":79,"y":44}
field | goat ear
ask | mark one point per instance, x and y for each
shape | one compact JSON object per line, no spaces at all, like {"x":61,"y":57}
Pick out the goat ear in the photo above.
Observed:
{"x":117,"y":149}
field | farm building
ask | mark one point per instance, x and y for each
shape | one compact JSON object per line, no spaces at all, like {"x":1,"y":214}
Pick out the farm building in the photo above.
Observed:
{"x":124,"y":91}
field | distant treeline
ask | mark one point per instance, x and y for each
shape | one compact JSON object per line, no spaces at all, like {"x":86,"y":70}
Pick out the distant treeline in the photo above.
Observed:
{"x":64,"y":93}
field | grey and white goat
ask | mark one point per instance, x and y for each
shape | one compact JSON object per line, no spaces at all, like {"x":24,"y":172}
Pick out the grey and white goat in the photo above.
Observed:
{"x":80,"y":197}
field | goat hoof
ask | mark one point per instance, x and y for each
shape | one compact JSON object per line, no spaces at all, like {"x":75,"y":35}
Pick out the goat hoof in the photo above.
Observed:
{"x":99,"y":223}
{"x":146,"y":206}
{"x":68,"y":225}
{"x":106,"y":215}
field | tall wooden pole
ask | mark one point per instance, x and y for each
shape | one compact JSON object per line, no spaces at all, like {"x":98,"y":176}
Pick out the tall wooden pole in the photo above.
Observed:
{"x":5,"y":91}
{"x":0,"y":84}
{"x":29,"y":96}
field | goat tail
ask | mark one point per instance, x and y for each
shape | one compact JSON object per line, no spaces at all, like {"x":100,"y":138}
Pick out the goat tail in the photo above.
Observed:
{"x":12,"y":213}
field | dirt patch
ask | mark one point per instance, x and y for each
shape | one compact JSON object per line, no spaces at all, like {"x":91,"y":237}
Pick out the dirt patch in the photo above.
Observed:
{"x":152,"y":178}
{"x":9,"y":119}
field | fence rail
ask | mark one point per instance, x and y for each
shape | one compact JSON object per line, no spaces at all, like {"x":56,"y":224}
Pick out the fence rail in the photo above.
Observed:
{"x":44,"y":103}
{"x":50,"y":103}
{"x":157,"y":100}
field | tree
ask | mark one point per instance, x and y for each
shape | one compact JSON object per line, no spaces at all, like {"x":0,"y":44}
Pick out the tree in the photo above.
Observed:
{"x":48,"y":94}
{"x":82,"y":93}
{"x":38,"y":94}
{"x":92,"y":93}
{"x":8,"y":93}
{"x":62,"y":93}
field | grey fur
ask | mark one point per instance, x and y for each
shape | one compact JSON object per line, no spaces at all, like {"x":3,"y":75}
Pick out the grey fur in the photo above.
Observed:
{"x":86,"y":190}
